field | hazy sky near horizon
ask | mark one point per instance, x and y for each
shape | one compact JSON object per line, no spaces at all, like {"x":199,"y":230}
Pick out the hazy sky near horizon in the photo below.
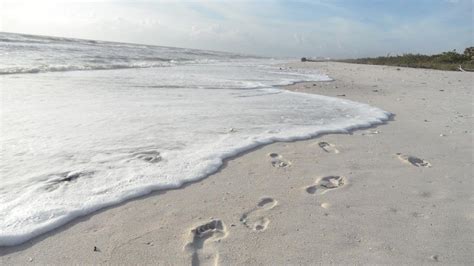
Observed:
{"x":334,"y":28}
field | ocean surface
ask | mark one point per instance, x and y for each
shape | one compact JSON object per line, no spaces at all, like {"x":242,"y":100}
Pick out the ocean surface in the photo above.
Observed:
{"x":88,"y":124}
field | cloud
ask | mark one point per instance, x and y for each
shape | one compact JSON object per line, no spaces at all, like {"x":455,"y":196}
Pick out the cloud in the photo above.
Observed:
{"x":272,"y":27}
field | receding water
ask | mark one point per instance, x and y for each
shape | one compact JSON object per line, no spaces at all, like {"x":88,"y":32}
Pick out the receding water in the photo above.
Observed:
{"x":73,"y":142}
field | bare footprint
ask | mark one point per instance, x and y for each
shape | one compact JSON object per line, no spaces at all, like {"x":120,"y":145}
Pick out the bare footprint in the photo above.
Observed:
{"x":330,"y":182}
{"x":415,"y":161}
{"x":328,"y":147}
{"x":203,"y":240}
{"x":261,"y":224}
{"x":322,"y":185}
{"x":151,"y":156}
{"x":255,"y":218}
{"x":278,"y":161}
{"x":61,"y":179}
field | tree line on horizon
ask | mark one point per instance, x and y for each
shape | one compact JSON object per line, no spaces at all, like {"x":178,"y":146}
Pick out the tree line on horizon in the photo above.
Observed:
{"x":451,"y":60}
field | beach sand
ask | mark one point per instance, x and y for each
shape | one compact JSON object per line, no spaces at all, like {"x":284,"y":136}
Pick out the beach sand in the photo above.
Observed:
{"x":398,"y":193}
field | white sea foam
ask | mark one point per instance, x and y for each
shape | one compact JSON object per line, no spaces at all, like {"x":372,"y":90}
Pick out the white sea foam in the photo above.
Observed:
{"x":26,"y":54}
{"x":75,"y":142}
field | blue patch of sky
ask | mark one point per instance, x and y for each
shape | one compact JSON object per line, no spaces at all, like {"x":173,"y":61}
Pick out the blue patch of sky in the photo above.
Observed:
{"x":374,"y":12}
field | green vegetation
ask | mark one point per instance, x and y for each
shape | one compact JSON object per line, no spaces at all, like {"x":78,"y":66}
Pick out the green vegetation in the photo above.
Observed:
{"x":444,"y":61}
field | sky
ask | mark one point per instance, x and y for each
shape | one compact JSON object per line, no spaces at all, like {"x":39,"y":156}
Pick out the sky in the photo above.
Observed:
{"x":277,"y":28}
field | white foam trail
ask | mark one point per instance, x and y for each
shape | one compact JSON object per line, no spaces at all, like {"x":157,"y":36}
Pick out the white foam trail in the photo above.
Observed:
{"x":95,"y":139}
{"x":75,"y":142}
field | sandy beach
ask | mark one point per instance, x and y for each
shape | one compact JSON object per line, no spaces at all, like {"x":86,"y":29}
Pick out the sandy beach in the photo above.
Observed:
{"x":398,"y":193}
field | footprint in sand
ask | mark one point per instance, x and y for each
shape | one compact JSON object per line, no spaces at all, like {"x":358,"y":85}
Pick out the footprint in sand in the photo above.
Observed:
{"x":203,"y":241}
{"x":415,"y":161}
{"x":59,"y":179}
{"x":148,"y":156}
{"x":328,"y":147}
{"x":255,"y":218}
{"x":278,"y":161}
{"x":326,"y":183}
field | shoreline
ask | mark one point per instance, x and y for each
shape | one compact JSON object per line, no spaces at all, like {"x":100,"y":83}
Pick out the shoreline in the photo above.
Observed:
{"x":237,"y":151}
{"x":243,"y":185}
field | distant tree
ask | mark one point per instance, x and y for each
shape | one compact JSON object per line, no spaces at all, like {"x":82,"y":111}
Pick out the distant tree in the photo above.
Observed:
{"x":451,"y":57}
{"x":451,"y":60}
{"x":469,"y":52}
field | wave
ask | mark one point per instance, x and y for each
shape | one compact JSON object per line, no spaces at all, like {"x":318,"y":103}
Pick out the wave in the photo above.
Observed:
{"x":150,"y":62}
{"x":29,"y":54}
{"x":64,"y":68}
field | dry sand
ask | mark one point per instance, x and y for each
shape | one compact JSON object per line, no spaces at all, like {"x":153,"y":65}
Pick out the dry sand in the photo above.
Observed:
{"x":397,"y":193}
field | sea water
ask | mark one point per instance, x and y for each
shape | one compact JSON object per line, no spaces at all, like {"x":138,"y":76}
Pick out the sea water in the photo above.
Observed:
{"x":88,"y":124}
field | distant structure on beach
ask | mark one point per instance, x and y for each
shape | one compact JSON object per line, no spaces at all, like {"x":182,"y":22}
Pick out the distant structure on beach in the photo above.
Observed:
{"x":317,"y":59}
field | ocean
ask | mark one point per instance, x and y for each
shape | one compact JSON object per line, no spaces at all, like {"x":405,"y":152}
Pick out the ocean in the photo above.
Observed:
{"x":89,"y":124}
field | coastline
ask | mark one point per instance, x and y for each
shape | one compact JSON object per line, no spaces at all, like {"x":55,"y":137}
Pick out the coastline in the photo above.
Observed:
{"x":383,"y":210}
